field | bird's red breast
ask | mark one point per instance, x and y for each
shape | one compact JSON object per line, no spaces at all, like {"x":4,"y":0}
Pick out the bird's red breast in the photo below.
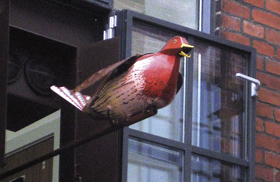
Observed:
{"x":162,"y":76}
{"x":161,"y":79}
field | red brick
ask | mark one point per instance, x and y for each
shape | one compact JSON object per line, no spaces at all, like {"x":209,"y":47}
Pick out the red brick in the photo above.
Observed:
{"x":252,"y":29}
{"x":258,"y":3}
{"x":272,"y":36}
{"x":259,"y":124}
{"x":236,"y":9}
{"x":235,"y":37}
{"x":278,"y":53}
{"x":269,"y":81}
{"x":278,"y":176}
{"x":272,"y":159}
{"x":260,"y":61}
{"x":273,"y":5}
{"x":231,"y":22}
{"x":277,"y":115}
{"x":264,"y":110}
{"x":272,"y":128}
{"x":266,"y":142}
{"x":269,"y":96}
{"x":259,"y":155}
{"x":264,"y":173}
{"x":264,"y":48}
{"x":272,"y":67}
{"x":266,"y":18}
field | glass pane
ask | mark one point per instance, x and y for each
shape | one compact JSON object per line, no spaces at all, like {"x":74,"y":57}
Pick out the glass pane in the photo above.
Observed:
{"x":184,"y":13}
{"x":47,"y":170}
{"x":168,"y":122}
{"x":210,"y":170}
{"x":31,"y":142}
{"x":218,"y":99}
{"x":152,"y":163}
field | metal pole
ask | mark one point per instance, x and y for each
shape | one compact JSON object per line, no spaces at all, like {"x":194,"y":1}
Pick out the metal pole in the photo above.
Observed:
{"x":56,"y":152}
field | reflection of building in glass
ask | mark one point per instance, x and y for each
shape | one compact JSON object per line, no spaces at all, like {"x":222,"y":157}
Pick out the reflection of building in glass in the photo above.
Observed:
{"x":180,"y":12}
{"x":218,"y":124}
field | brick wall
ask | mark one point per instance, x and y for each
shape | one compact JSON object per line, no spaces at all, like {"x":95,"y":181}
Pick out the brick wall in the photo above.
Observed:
{"x":256,"y":23}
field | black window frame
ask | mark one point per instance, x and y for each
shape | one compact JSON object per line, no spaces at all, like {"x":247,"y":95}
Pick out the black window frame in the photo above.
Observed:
{"x":4,"y":55}
{"x":124,"y":31}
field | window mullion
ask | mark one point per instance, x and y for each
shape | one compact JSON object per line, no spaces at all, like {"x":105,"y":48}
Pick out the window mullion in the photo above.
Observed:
{"x":155,"y":139}
{"x":251,"y":124}
{"x":220,"y":156}
{"x":188,"y":114}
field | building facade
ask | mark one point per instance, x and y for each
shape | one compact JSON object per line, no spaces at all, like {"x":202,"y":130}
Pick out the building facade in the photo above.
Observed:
{"x":217,"y":128}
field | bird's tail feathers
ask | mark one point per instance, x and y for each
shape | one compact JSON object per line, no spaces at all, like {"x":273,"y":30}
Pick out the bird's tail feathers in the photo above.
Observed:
{"x":75,"y":98}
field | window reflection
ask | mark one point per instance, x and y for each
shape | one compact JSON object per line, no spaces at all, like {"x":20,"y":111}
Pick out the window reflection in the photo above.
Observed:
{"x":168,"y":123}
{"x":210,"y":170}
{"x":152,"y":163}
{"x":218,"y":103}
{"x":184,"y":13}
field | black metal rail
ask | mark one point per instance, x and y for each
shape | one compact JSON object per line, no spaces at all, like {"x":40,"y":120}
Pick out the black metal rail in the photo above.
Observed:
{"x":62,"y":149}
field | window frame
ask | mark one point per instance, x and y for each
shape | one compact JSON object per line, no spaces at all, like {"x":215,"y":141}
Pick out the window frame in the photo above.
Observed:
{"x":4,"y":55}
{"x":124,"y":30}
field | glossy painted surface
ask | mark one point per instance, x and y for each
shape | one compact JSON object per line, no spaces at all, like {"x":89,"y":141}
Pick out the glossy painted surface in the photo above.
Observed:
{"x":133,"y":86}
{"x":150,"y":81}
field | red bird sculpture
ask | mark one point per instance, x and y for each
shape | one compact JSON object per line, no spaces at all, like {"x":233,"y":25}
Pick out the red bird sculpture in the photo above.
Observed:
{"x":135,"y":88}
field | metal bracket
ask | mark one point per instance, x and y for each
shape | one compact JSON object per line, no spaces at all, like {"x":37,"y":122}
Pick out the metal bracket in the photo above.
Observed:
{"x":110,"y":32}
{"x":255,"y":83}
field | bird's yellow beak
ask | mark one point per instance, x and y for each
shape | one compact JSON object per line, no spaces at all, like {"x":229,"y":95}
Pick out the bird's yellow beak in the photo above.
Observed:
{"x":186,"y":48}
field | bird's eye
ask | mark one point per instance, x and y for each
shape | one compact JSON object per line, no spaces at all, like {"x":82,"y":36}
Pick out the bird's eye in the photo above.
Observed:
{"x":174,"y":41}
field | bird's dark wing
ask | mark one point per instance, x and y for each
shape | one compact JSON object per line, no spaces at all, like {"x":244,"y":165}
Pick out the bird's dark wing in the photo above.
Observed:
{"x":83,"y":102}
{"x":116,"y":68}
{"x":179,"y":82}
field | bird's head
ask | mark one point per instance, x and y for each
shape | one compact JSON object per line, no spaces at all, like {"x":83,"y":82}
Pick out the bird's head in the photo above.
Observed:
{"x":177,"y":46}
